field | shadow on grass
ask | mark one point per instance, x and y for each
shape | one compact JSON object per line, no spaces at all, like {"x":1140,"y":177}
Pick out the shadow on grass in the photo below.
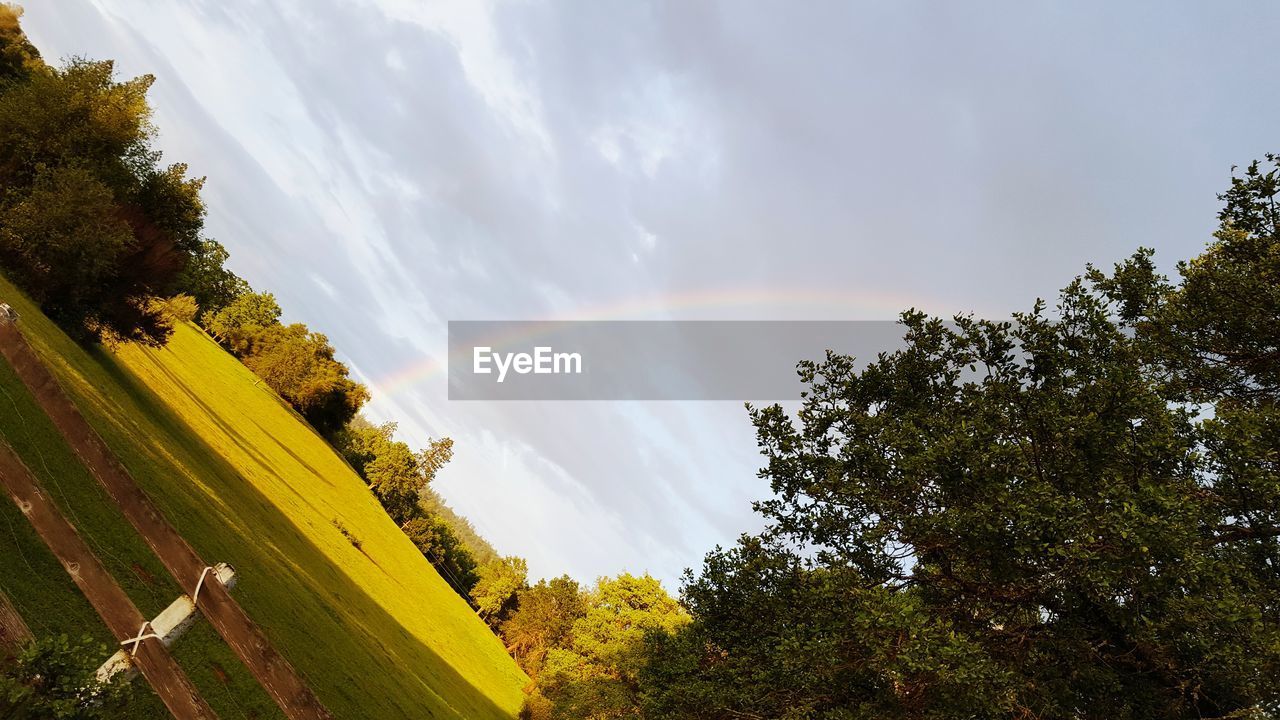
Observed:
{"x":323,"y":644}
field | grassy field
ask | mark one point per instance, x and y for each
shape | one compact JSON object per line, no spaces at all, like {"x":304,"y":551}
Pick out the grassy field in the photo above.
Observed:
{"x":51,"y":604}
{"x":365,"y":619}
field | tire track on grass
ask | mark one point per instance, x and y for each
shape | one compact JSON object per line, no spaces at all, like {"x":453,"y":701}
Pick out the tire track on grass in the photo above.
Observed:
{"x":117,"y":611}
{"x":245,"y":638}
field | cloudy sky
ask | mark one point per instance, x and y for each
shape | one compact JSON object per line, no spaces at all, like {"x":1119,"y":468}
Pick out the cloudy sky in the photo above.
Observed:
{"x":388,"y":165}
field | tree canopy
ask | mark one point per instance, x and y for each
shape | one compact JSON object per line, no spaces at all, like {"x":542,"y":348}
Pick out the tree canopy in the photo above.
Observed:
{"x":1070,"y":514}
{"x":498,"y":583}
{"x":91,"y":224}
{"x":595,"y":673}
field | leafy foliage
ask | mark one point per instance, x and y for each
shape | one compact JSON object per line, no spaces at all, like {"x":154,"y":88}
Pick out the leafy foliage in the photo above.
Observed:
{"x":90,"y":223}
{"x":461,"y":528}
{"x":299,"y":365}
{"x":53,"y":679}
{"x":396,"y":474}
{"x":1063,"y":516}
{"x":543,"y":619}
{"x":436,"y":540}
{"x":400,"y":478}
{"x":179,"y":308}
{"x":66,"y":239}
{"x":596,"y":674}
{"x":206,"y":277}
{"x":18,"y":57}
{"x":239,"y":321}
{"x":494,"y":594}
{"x":294,"y":361}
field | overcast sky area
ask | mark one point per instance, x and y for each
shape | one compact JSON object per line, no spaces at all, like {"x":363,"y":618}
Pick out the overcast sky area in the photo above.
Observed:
{"x":386,"y":166}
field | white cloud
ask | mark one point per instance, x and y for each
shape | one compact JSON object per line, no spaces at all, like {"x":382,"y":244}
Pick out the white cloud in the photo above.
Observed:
{"x":469,"y":26}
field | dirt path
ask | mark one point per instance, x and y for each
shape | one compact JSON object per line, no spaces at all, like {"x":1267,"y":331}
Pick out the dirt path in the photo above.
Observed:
{"x":244,"y":637}
{"x":14,"y":633}
{"x":113,"y":606}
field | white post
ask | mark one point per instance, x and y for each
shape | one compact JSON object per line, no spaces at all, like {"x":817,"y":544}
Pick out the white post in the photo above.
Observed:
{"x":169,"y":625}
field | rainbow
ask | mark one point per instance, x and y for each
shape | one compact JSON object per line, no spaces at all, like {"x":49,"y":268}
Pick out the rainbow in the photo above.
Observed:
{"x":860,"y":306}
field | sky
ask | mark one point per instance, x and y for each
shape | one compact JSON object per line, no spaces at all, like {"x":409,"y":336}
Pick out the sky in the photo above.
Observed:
{"x":385,"y":166}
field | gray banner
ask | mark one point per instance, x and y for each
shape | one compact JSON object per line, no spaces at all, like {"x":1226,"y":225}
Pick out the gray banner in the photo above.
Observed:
{"x":650,"y":360}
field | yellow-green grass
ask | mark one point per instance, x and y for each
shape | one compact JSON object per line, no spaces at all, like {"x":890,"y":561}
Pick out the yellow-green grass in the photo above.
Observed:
{"x":372,"y":627}
{"x":51,"y":604}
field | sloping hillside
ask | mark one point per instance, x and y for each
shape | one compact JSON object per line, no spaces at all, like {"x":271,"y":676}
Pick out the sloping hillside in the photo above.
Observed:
{"x":338,"y":589}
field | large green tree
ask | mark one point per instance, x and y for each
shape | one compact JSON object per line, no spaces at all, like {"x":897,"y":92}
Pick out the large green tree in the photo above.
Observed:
{"x":237,"y":323}
{"x":436,"y":540}
{"x":299,"y":365}
{"x":207,"y":279}
{"x":499,"y":580}
{"x":543,"y":619}
{"x":18,"y":57}
{"x":595,"y":672}
{"x":394,"y":472}
{"x":1073,"y":514}
{"x":400,"y":479}
{"x":296,"y":362}
{"x":91,"y":225}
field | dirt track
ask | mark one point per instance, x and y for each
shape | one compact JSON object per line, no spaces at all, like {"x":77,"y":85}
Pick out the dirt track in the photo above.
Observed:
{"x":14,"y":633}
{"x":113,"y":606}
{"x":244,"y":637}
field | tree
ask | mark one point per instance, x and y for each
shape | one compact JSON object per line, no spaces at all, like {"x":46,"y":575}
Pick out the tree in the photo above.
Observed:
{"x":18,"y":57}
{"x":179,"y":309}
{"x":396,"y":478}
{"x":597,"y":674}
{"x":436,"y":541}
{"x":543,"y":619}
{"x":54,"y":679}
{"x":396,"y":474}
{"x":206,"y":278}
{"x":64,"y":240}
{"x":240,"y":321}
{"x":90,"y":224}
{"x":435,"y":456}
{"x":477,"y":547}
{"x":171,"y":204}
{"x":299,"y":365}
{"x":294,"y":361}
{"x":775,"y":637}
{"x":495,"y":591}
{"x":399,"y":478}
{"x":77,"y":116}
{"x":1066,"y":516}
{"x":360,"y":442}
{"x":1213,"y":335}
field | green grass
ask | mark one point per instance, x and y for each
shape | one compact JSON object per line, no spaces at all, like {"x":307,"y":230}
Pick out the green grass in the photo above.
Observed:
{"x":48,"y":600}
{"x":50,"y":603}
{"x":375,"y":631}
